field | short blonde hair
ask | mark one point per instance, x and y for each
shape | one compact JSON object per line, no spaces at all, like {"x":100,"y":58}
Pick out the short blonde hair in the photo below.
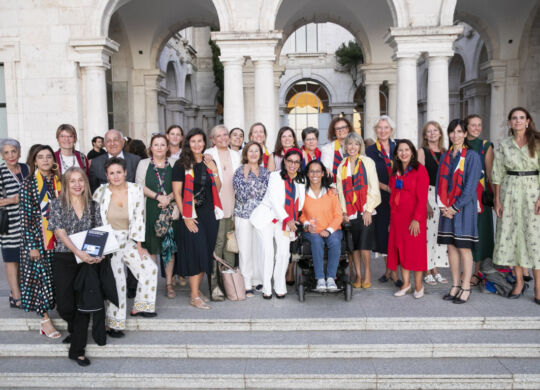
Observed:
{"x":356,"y":138}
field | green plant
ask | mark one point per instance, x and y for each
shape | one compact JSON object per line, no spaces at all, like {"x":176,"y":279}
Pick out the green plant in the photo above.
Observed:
{"x":349,"y":55}
{"x":217,"y":67}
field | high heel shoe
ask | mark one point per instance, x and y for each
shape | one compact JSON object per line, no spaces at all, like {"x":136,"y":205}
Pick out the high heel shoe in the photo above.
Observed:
{"x":403,"y":291}
{"x":516,"y":296}
{"x":419,"y":294}
{"x":53,"y":335}
{"x":460,"y":300}
{"x":450,"y":297}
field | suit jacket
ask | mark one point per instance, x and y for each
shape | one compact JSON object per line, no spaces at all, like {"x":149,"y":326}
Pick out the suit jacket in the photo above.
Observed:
{"x":273,"y":204}
{"x":235,"y":159}
{"x":97,"y":169}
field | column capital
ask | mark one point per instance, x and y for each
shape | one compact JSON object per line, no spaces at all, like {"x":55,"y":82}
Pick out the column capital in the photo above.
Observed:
{"x":496,"y":72}
{"x":378,"y":73}
{"x":232,"y":60}
{"x":260,"y":46}
{"x":94,"y":51}
{"x":153,"y":78}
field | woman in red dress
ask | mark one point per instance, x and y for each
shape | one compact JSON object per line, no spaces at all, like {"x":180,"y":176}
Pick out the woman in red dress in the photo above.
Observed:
{"x":407,"y":245}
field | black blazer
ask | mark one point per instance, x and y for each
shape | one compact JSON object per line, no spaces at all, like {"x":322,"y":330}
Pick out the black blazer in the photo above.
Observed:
{"x":97,"y":169}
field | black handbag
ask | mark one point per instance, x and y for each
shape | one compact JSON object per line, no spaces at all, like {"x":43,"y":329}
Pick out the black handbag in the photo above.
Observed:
{"x":4,"y":217}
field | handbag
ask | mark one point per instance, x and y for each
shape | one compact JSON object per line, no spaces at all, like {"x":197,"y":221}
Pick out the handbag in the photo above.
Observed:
{"x":4,"y":216}
{"x":232,"y":242}
{"x":233,"y":281}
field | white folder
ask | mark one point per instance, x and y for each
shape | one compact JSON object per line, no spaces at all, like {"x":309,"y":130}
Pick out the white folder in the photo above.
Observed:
{"x":111,"y":245}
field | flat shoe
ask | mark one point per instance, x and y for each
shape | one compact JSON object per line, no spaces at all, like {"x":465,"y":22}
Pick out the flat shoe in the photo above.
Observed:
{"x":282,"y":296}
{"x":366,"y":285}
{"x":267,"y":296}
{"x":203,"y":297}
{"x":81,"y":362}
{"x":170,"y":293}
{"x":357,"y":285}
{"x":199,"y":303}
{"x":115,"y":334}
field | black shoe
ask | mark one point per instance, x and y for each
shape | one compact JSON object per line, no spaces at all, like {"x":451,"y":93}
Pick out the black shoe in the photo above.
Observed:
{"x":267,"y":296}
{"x":258,"y":287}
{"x":144,"y":314}
{"x":67,"y":340}
{"x":115,"y":334}
{"x":384,"y":279}
{"x":280,"y":296}
{"x":15,"y":303}
{"x":537,"y":301}
{"x":290,"y":282}
{"x":81,"y":362}
{"x":516,"y":296}
{"x":528,"y":278}
{"x":131,"y":292}
{"x":398,"y":283}
{"x":458,"y":300}
{"x":450,"y":297}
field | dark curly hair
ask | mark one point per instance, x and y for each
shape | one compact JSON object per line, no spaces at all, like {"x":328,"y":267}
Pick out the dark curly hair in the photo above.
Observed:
{"x":299,"y":175}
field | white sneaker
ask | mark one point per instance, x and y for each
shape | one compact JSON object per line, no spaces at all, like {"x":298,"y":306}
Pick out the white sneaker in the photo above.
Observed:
{"x":321,"y":286}
{"x":331,"y":284}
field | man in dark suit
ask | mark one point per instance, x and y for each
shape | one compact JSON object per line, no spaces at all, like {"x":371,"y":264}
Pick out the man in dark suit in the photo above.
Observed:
{"x":114,"y":142}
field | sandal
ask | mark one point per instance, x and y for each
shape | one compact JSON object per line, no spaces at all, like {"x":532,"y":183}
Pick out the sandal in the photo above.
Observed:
{"x":439,"y":278}
{"x":199,"y":303}
{"x":15,"y":303}
{"x":201,"y":295}
{"x":171,"y":294}
{"x":429,"y":279}
{"x":53,"y":335}
{"x":476,"y":282}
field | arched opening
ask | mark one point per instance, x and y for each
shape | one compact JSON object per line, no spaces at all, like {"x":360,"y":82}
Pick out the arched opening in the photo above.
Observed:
{"x":170,"y":80}
{"x":456,"y":76}
{"x":307,"y":106}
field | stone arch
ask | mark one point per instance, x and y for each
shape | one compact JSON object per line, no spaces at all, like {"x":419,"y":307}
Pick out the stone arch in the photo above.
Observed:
{"x":486,"y":32}
{"x":447,"y":12}
{"x":455,"y":71}
{"x":400,"y":12}
{"x":189,"y":90}
{"x":287,"y":85}
{"x":171,"y":81}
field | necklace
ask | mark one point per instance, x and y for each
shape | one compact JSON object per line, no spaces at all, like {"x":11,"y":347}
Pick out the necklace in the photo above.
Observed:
{"x":65,"y":164}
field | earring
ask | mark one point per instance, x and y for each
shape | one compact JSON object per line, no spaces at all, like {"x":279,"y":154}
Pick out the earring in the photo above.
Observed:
{"x":55,"y":166}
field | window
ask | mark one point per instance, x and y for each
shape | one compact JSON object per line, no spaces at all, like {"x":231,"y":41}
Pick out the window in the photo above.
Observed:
{"x":307,"y":105}
{"x":306,"y":39}
{"x":3,"y":110}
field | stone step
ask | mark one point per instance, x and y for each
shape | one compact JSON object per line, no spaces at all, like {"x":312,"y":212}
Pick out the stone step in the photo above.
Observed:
{"x":146,"y":373}
{"x":290,"y":345}
{"x":301,"y":324}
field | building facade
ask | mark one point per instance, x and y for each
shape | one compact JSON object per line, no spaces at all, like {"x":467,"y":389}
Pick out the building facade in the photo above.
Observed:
{"x":140,"y":65}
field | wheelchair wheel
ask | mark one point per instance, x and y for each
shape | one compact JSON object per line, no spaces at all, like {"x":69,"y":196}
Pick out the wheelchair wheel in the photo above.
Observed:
{"x":348,"y":292}
{"x":301,"y":292}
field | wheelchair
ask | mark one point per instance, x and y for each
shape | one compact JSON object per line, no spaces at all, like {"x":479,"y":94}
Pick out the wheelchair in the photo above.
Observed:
{"x":304,"y":273}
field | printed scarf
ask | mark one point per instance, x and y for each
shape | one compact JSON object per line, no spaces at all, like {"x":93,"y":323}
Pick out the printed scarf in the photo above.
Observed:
{"x":45,"y":194}
{"x":386,"y":157}
{"x":355,"y":187}
{"x":306,"y":157}
{"x":481,"y":187}
{"x":291,"y":203}
{"x":188,"y":209}
{"x":443,"y":197}
{"x":338,"y":157}
{"x":266,"y":156}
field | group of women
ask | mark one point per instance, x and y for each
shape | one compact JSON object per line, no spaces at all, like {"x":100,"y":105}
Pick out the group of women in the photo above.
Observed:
{"x":422,"y":209}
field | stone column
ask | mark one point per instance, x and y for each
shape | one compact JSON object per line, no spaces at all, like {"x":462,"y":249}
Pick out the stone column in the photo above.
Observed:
{"x":265,"y":100}
{"x":93,"y":56}
{"x":437,"y":89}
{"x":496,"y":73}
{"x":233,"y":101}
{"x":392,"y":100}
{"x":152,"y":81}
{"x":373,"y":109}
{"x":407,"y":109}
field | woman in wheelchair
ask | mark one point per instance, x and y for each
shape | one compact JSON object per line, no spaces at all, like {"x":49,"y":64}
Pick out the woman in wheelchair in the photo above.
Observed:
{"x":359,"y":195}
{"x":322,"y":219}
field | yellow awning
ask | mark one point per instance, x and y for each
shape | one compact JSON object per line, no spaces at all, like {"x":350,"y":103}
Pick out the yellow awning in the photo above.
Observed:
{"x":303,"y":99}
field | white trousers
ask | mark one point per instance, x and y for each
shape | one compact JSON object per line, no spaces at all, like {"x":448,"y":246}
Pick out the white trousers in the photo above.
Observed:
{"x":250,"y":261}
{"x":144,"y":270}
{"x":266,"y":236}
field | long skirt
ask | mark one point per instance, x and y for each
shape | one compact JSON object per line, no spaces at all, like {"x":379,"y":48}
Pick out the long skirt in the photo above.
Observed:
{"x":437,"y":253}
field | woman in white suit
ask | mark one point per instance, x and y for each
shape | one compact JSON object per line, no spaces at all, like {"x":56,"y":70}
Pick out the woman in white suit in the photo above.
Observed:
{"x":227,"y":161}
{"x":122,"y":206}
{"x":276,"y":219}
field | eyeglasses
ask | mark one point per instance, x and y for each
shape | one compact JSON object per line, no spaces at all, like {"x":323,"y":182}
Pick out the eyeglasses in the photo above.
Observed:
{"x":293,"y":162}
{"x":317,"y":172}
{"x":341,"y":128}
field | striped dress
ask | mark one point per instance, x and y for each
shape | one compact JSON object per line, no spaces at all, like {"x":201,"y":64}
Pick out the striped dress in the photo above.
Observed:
{"x":10,"y":185}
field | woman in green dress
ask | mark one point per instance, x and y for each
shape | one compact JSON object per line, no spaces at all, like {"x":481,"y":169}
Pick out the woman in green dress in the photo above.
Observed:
{"x":484,"y":148}
{"x":154,"y":174}
{"x":516,"y":178}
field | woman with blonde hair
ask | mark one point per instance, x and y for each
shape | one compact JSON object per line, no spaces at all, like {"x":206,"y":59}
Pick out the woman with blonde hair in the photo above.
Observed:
{"x":429,"y":155}
{"x":257,"y":133}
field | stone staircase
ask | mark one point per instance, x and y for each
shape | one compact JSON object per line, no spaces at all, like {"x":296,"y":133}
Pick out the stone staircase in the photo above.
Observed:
{"x":376,"y":341}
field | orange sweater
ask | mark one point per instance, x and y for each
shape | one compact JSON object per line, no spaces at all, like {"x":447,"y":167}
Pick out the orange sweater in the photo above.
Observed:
{"x":326,"y":210}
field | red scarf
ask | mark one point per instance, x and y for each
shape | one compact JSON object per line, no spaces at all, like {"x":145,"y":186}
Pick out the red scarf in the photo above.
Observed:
{"x":386,"y":157}
{"x":338,"y":157}
{"x":306,"y":157}
{"x":291,"y":203}
{"x":188,"y":209}
{"x":266,"y":156}
{"x":355,"y":187}
{"x":448,"y":199}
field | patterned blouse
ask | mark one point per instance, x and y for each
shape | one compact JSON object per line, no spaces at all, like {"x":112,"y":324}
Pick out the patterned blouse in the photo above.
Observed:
{"x":60,"y":218}
{"x":10,"y":185}
{"x":249,"y":192}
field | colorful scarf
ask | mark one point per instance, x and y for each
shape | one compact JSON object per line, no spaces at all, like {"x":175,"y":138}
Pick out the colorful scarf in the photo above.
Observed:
{"x":266,"y":156}
{"x":355,"y":187}
{"x":399,"y":185}
{"x":443,"y":197}
{"x":188,"y":209}
{"x":386,"y":157}
{"x":168,"y":246}
{"x":291,"y":203}
{"x":306,"y":157}
{"x":481,"y":187}
{"x":338,"y":157}
{"x":44,"y":196}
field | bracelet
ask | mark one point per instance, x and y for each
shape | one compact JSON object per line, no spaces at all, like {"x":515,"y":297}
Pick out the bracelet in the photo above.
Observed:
{"x":157,"y":194}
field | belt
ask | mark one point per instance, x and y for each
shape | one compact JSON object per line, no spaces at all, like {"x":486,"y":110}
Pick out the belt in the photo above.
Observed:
{"x":522,"y":173}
